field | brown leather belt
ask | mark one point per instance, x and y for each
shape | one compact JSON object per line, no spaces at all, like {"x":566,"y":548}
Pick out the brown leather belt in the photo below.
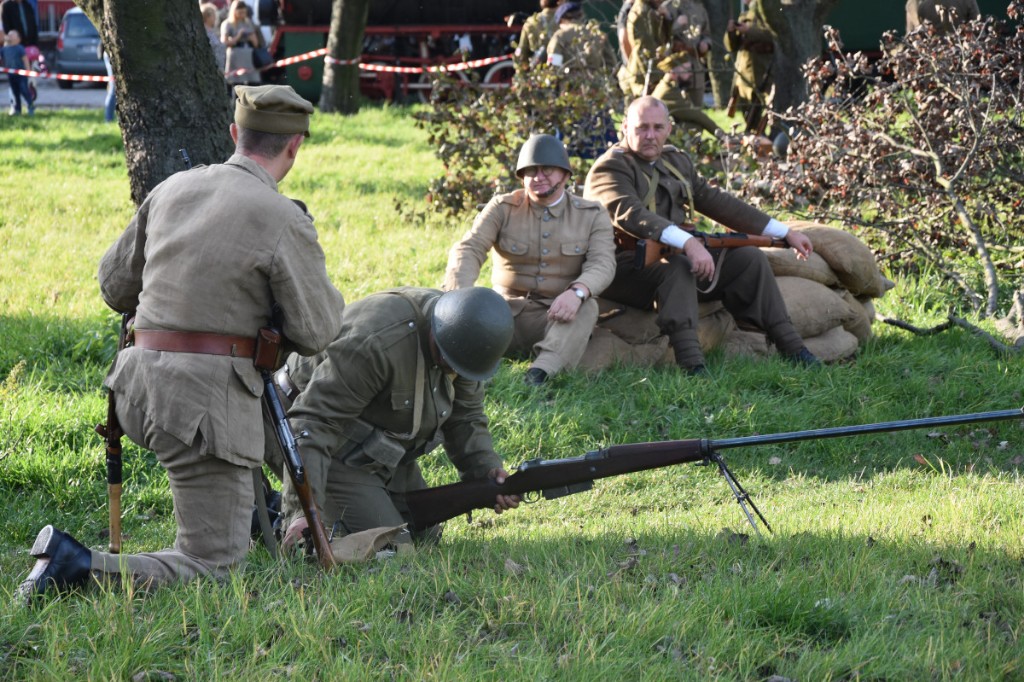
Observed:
{"x":195,"y":342}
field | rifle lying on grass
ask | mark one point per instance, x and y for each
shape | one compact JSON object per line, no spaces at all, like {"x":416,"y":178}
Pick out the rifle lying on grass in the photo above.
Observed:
{"x":111,"y":433}
{"x":559,"y":477}
{"x":650,"y":251}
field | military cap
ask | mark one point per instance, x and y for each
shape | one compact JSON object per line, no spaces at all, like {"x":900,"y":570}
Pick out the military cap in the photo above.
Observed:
{"x":272,"y":109}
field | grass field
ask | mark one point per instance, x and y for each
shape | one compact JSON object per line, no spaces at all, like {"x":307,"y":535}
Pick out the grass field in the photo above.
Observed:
{"x":895,"y":556}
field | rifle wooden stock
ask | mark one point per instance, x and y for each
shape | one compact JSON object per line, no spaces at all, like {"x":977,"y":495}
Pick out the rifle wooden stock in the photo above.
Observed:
{"x":296,"y":471}
{"x":734,"y":98}
{"x":558,"y":477}
{"x":111,"y":432}
{"x":649,"y":251}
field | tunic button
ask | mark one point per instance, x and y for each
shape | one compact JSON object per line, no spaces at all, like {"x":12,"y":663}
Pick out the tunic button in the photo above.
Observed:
{"x":540,"y":279}
{"x":546,"y":235}
{"x":412,"y":325}
{"x":444,"y":413}
{"x":406,"y":402}
{"x":547,"y":217}
{"x":577,"y":249}
{"x":544,"y":251}
{"x":543,"y":265}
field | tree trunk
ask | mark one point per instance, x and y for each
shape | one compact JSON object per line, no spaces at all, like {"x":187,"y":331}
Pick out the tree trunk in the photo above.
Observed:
{"x":170,"y":93}
{"x":797,"y":25}
{"x":340,"y":91}
{"x":720,"y":68}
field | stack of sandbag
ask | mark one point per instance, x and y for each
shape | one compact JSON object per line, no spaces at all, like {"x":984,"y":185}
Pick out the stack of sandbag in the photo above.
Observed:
{"x":828,"y":297}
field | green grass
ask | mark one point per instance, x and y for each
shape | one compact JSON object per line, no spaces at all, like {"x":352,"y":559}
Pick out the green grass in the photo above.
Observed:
{"x":895,"y":556}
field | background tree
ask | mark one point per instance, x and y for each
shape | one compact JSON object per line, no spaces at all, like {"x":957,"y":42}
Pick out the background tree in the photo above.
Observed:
{"x":170,"y":93}
{"x":797,"y":25}
{"x":340,"y":91}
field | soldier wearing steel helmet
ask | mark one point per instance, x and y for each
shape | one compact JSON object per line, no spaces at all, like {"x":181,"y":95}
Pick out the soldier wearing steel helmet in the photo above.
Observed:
{"x":552,"y":253}
{"x":404,"y":375}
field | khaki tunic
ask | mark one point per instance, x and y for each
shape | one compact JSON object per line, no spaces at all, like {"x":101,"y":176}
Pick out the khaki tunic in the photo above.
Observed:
{"x":534,"y":37}
{"x":581,"y":46}
{"x":621,"y":181}
{"x":357,"y":403}
{"x":919,"y":11}
{"x":213,"y":249}
{"x":537,"y":252}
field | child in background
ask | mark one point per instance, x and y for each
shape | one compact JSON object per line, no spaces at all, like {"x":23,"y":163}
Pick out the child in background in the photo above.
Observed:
{"x":14,"y":57}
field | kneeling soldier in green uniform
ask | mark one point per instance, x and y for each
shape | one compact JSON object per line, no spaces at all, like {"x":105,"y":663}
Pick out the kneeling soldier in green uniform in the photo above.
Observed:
{"x":404,"y":375}
{"x":209,"y":256}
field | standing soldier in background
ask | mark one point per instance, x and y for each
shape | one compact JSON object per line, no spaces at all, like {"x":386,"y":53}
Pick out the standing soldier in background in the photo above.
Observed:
{"x":753,"y":45}
{"x":537,"y":31}
{"x":579,"y":44}
{"x":212,"y":255}
{"x":945,"y":15}
{"x":654,"y":68}
{"x":691,"y":34}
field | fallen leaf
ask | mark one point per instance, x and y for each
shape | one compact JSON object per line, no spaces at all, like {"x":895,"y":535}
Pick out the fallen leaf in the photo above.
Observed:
{"x":514,"y":568}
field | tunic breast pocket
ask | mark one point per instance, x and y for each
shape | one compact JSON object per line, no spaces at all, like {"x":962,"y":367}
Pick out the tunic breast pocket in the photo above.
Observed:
{"x":577,"y":249}
{"x":402,"y":400}
{"x":512,"y":247}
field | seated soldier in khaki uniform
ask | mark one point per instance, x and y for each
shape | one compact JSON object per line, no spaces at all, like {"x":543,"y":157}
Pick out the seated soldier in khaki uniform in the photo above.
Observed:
{"x":209,"y":256}
{"x":404,"y":375}
{"x":552,"y":253}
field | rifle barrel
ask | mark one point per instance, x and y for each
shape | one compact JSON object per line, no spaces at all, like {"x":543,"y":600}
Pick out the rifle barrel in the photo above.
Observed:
{"x":835,"y":432}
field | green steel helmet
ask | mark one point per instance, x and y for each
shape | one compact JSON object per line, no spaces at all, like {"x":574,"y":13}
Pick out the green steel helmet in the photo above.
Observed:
{"x":472,"y":329}
{"x":542,"y":150}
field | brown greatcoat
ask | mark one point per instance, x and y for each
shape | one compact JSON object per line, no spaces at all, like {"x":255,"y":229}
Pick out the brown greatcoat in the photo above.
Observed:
{"x":744,"y":283}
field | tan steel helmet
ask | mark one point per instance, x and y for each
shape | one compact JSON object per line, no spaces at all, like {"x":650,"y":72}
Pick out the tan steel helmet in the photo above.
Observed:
{"x":543,"y":150}
{"x":472,"y":329}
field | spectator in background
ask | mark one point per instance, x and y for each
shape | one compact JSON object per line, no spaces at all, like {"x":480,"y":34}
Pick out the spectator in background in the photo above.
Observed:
{"x":240,"y":35}
{"x":14,"y":58}
{"x":209,"y":12}
{"x":111,"y":100}
{"x":18,"y":15}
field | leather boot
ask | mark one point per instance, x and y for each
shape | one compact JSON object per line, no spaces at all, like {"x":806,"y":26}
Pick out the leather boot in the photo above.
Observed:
{"x":62,"y":563}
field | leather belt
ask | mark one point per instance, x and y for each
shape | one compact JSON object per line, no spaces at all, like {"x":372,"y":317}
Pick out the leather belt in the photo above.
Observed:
{"x":195,"y":342}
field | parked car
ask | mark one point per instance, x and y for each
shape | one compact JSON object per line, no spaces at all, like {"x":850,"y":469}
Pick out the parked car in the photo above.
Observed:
{"x":78,"y":44}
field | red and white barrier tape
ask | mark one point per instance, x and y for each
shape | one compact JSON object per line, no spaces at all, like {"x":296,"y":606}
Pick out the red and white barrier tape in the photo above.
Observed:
{"x":58,"y":76}
{"x":458,"y":66}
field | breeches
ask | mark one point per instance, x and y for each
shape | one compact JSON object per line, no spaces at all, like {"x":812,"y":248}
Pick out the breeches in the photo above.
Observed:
{"x":556,"y":345}
{"x":745,"y":285}
{"x":212,"y":507}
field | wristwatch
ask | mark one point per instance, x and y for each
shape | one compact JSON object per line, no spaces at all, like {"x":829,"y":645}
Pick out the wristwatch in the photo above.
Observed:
{"x":580,"y":293}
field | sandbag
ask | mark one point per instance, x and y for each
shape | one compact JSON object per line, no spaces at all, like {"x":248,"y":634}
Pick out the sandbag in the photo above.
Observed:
{"x":850,"y":259}
{"x":813,"y":307}
{"x":632,"y":325}
{"x":606,"y":349}
{"x":784,"y":263}
{"x":835,"y":344}
{"x":860,"y":324}
{"x":714,"y":328}
{"x":746,"y":343}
